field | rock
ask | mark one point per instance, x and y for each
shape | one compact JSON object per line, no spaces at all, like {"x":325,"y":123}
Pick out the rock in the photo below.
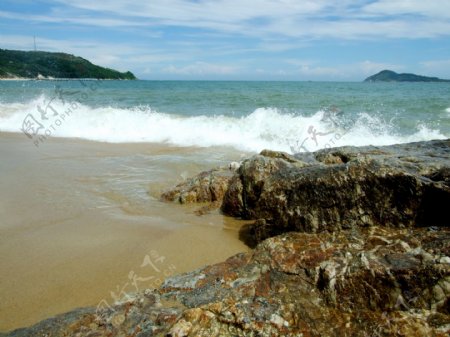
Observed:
{"x":357,"y":282}
{"x":144,"y":315}
{"x":233,"y":166}
{"x":180,"y":329}
{"x":400,"y":186}
{"x":206,"y":187}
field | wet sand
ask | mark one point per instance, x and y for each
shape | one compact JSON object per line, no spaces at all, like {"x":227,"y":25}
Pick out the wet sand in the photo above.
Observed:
{"x":81,"y":222}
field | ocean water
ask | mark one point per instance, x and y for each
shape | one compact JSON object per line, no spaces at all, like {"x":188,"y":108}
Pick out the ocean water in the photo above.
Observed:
{"x":248,"y":116}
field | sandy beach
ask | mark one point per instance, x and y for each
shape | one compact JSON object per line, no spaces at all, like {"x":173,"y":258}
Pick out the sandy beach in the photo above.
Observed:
{"x":81,"y":222}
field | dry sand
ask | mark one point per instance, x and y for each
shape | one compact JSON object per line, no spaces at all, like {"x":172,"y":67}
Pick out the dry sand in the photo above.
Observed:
{"x":79,"y":219}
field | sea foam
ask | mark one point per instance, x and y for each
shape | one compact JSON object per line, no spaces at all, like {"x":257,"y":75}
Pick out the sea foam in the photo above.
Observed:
{"x":264,"y":128}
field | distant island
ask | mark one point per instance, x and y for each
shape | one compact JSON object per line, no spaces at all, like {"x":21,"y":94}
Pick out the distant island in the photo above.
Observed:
{"x":47,"y":65}
{"x":392,"y":76}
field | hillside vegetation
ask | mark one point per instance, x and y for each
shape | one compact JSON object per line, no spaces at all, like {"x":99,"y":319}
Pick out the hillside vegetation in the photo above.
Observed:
{"x":39,"y":64}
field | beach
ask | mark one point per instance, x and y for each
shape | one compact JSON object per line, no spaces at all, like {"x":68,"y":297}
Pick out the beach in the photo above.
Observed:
{"x":349,"y":241}
{"x":84,"y":165}
{"x":224,"y":168}
{"x":78,"y":217}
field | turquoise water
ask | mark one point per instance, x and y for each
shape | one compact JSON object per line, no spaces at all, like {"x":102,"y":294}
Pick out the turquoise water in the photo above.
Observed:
{"x":246,"y":115}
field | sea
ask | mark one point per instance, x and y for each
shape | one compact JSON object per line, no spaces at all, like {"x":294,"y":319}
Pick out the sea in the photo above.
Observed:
{"x":247,"y":116}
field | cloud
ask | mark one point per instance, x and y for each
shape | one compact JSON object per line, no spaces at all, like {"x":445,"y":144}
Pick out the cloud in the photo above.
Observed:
{"x":367,"y":68}
{"x":118,"y":55}
{"x":352,"y":71}
{"x":328,"y":72}
{"x":348,"y":19}
{"x":440,"y":68}
{"x":436,"y":64}
{"x":433,"y":9}
{"x":202,"y":69}
{"x":203,"y":12}
{"x":61,"y":18}
{"x":352,"y":29}
{"x":200,"y":38}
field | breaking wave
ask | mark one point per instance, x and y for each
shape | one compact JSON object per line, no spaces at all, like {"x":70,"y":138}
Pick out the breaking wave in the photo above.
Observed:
{"x":263,"y":128}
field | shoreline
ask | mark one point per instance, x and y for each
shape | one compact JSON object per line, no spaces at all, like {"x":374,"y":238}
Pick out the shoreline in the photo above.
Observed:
{"x":79,"y":216}
{"x":63,"y":79}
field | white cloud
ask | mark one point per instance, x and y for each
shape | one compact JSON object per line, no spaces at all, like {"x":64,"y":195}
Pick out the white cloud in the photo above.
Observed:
{"x":433,"y":8}
{"x":358,"y":29}
{"x":201,"y":69}
{"x":235,"y":37}
{"x":439,"y":68}
{"x":203,"y":11}
{"x":354,"y":71}
{"x":436,"y":64}
{"x":90,"y":21}
{"x":278,"y":45}
{"x":265,"y":18}
{"x":328,"y":72}
{"x":367,"y":68}
{"x":120,"y":56}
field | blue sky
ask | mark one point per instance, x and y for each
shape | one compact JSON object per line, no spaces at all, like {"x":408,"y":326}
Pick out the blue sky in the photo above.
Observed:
{"x":342,"y":40}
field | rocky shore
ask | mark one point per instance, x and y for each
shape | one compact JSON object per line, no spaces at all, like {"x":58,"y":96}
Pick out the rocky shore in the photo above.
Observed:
{"x":348,"y":242}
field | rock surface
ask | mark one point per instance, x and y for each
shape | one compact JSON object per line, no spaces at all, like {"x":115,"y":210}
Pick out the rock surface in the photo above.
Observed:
{"x":343,"y":188}
{"x":206,"y":187}
{"x":360,"y":282}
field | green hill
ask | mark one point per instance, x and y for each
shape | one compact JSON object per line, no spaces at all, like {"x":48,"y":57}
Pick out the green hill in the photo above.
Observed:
{"x":38,"y":64}
{"x":391,"y":76}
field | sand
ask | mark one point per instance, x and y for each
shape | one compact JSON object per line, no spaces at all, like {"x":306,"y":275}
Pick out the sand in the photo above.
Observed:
{"x":81,"y":222}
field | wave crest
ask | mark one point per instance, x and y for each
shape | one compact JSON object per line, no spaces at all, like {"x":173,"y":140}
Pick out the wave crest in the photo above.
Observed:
{"x":263,"y":128}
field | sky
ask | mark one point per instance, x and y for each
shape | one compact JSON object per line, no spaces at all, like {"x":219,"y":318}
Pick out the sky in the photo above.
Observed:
{"x":299,"y":40}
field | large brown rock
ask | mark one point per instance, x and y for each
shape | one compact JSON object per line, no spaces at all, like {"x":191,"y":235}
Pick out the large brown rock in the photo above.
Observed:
{"x":206,"y":187}
{"x":396,"y":186}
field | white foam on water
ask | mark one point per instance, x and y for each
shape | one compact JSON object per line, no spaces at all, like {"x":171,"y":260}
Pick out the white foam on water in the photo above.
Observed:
{"x":264,"y":128}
